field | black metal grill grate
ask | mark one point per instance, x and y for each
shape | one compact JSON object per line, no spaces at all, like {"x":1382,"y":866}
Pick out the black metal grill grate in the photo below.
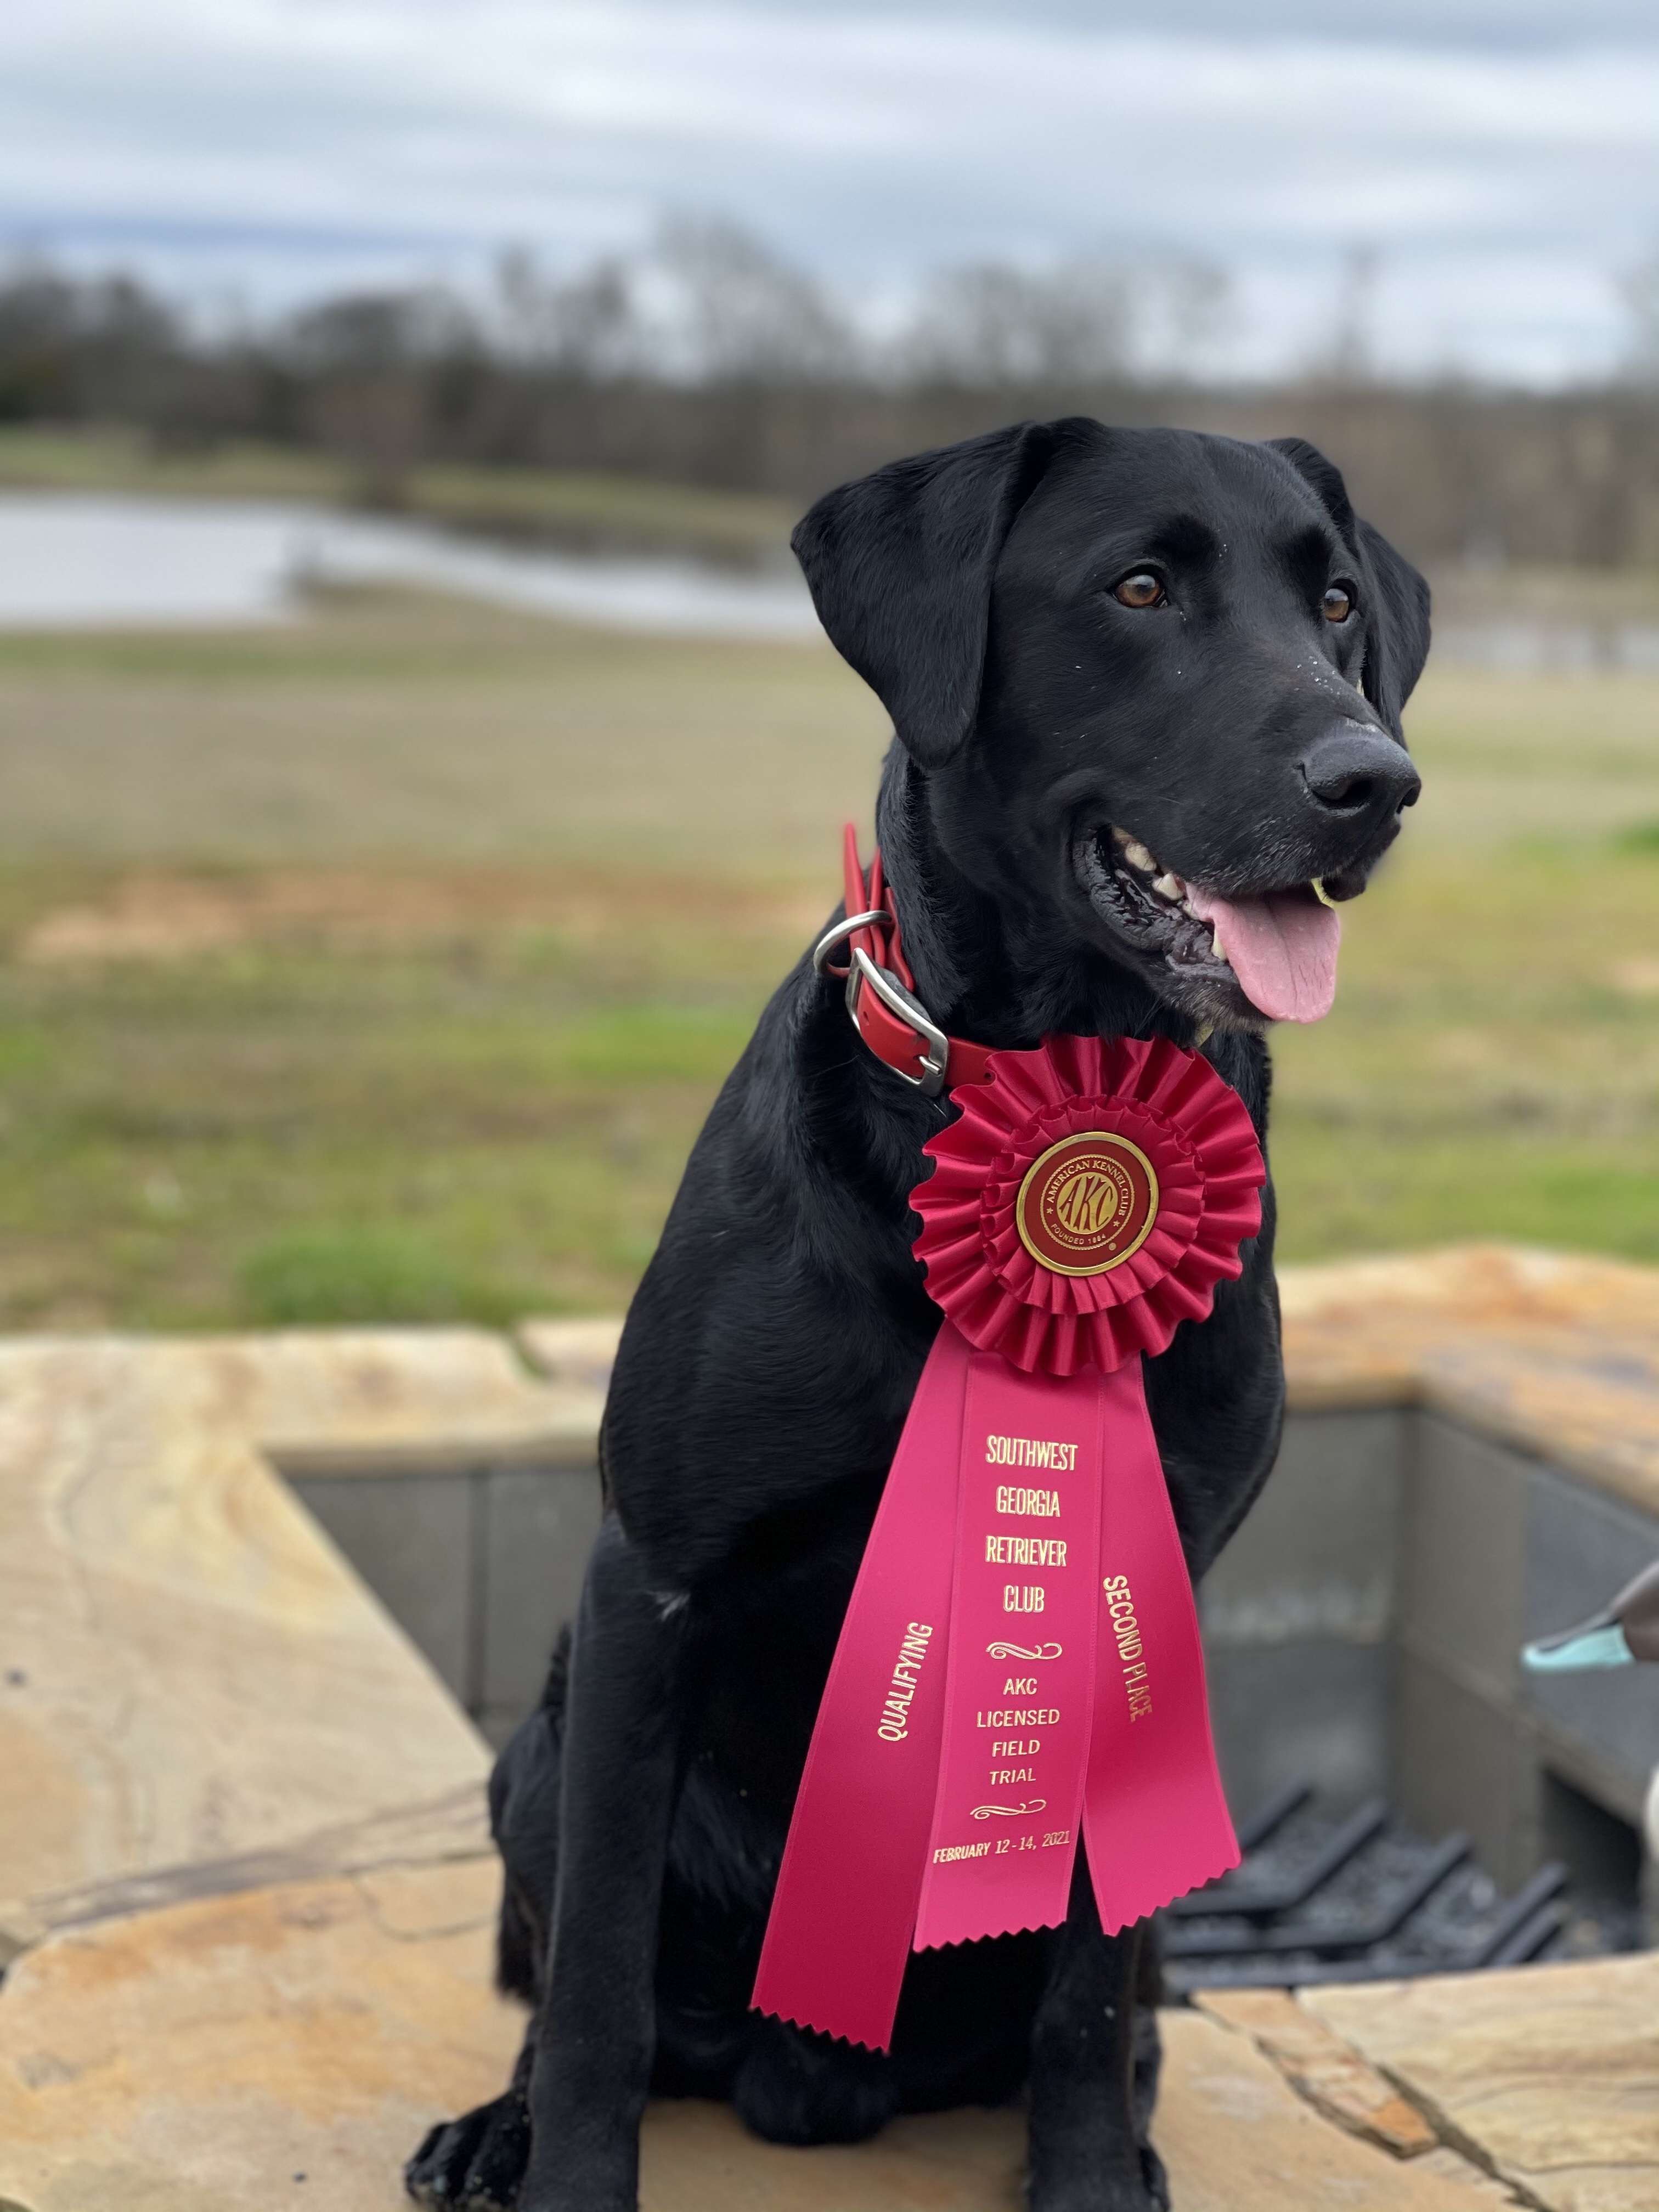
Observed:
{"x":1358,"y":1900}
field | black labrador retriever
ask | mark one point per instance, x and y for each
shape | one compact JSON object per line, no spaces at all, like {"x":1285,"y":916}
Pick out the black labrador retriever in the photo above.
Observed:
{"x":1133,"y":674}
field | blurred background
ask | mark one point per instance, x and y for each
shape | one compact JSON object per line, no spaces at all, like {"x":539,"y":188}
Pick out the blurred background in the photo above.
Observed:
{"x":418,"y":758}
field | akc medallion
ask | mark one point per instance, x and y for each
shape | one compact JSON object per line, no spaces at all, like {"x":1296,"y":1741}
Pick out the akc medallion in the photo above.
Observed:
{"x":1020,"y":1669}
{"x":1087,"y":1204}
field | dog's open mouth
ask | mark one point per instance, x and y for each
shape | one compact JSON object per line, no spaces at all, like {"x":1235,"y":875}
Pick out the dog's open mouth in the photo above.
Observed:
{"x":1277,"y":948}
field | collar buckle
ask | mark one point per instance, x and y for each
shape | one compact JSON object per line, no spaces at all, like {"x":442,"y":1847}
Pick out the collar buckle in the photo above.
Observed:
{"x":935,"y":1059}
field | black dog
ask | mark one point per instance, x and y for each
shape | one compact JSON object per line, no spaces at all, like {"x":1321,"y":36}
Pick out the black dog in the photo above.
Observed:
{"x":1126,"y":668}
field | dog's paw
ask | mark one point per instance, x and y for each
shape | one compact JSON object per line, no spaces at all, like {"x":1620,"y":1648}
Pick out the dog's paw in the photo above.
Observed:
{"x":474,"y":2164}
{"x":796,"y":2088}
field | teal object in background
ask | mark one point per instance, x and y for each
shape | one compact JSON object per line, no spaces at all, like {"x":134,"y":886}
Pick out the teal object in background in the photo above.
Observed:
{"x":1623,"y":1631}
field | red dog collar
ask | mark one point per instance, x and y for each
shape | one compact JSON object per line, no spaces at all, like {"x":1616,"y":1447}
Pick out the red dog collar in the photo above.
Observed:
{"x":881,"y":990}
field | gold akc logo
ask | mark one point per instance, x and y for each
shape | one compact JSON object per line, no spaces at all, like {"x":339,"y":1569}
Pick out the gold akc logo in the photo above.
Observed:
{"x":1087,"y":1204}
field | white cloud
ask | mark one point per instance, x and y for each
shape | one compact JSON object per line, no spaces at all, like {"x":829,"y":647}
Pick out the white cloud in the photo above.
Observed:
{"x":1503,"y":169}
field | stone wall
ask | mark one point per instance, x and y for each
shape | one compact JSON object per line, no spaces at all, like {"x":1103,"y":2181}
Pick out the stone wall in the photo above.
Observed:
{"x":1364,"y":1630}
{"x":1471,"y":1461}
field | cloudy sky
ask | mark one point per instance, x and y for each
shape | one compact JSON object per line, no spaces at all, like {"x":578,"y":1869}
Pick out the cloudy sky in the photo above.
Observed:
{"x":1500,"y":158}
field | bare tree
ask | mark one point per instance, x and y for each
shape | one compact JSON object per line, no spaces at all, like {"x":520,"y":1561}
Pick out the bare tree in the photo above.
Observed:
{"x":1350,"y":356}
{"x":366,"y":332}
{"x":585,"y":326}
{"x":1195,"y":301}
{"x":367,"y":362}
{"x":740,"y":311}
{"x":100,"y":346}
{"x":992,"y":327}
{"x":711,"y":360}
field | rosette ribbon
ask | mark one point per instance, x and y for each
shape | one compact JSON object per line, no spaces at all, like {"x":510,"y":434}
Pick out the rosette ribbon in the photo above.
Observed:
{"x":1020,"y":1663}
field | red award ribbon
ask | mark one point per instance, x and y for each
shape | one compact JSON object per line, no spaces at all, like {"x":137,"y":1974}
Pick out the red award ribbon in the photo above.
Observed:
{"x":1020,"y":1660}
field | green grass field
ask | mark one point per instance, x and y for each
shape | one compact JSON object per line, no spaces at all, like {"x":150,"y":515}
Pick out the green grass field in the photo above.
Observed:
{"x":384,"y":966}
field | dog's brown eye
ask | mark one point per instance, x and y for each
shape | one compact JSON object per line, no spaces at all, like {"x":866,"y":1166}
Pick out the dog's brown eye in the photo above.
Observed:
{"x":1140,"y":589}
{"x":1338,"y":603}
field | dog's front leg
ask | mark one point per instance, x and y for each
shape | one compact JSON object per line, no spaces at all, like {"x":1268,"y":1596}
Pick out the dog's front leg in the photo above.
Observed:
{"x":596,"y":2027}
{"x":1085,"y":2155}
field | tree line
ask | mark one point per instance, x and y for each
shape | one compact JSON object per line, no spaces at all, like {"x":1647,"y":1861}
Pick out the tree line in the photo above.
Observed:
{"x":711,"y":362}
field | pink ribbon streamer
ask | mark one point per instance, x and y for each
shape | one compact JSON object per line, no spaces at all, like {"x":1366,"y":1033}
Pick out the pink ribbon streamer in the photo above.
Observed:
{"x":1021,"y":1680}
{"x":845,"y":1906}
{"x":905,"y":1835}
{"x":1155,"y":1819}
{"x":1020,"y":1662}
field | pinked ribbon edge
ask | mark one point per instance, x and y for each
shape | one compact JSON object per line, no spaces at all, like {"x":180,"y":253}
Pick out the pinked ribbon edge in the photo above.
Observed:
{"x":888,"y":1849}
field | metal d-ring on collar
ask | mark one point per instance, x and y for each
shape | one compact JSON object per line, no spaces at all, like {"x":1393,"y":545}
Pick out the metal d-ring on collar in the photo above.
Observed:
{"x":861,"y":969}
{"x":877,"y":916}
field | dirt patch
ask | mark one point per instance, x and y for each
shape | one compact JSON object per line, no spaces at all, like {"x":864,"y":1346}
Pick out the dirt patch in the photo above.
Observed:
{"x":161,"y":916}
{"x":1636,"y":979}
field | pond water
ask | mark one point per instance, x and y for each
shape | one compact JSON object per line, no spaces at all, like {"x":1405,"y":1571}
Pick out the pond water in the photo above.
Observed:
{"x":82,"y":561}
{"x":1520,"y":647}
{"x":95,"y":560}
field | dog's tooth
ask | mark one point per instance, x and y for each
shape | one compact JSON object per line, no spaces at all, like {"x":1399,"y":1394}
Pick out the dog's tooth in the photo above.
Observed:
{"x":1215,"y":948}
{"x":1168,"y":886}
{"x":1121,"y":837}
{"x":1188,"y":909}
{"x":1137,"y":857}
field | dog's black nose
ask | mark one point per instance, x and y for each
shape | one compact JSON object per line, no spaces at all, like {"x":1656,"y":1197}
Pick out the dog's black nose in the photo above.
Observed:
{"x":1354,"y":770}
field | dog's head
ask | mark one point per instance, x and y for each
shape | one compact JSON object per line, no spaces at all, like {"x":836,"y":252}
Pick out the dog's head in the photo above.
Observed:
{"x":1153,"y":681}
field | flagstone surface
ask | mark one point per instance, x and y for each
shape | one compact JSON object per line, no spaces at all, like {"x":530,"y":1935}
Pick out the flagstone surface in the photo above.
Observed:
{"x":1327,"y":2071}
{"x":188,"y":1668}
{"x":1554,"y":1352}
{"x":287,"y":2047}
{"x":1553,"y":2072}
{"x":580,"y":1352}
{"x":276,"y":2047}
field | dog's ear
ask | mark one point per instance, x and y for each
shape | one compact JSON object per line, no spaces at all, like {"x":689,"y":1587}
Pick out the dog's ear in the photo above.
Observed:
{"x":900,"y":566}
{"x":1394,"y":598}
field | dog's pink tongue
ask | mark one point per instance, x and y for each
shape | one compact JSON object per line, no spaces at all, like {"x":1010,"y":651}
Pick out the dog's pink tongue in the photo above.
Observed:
{"x":1282,"y":949}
